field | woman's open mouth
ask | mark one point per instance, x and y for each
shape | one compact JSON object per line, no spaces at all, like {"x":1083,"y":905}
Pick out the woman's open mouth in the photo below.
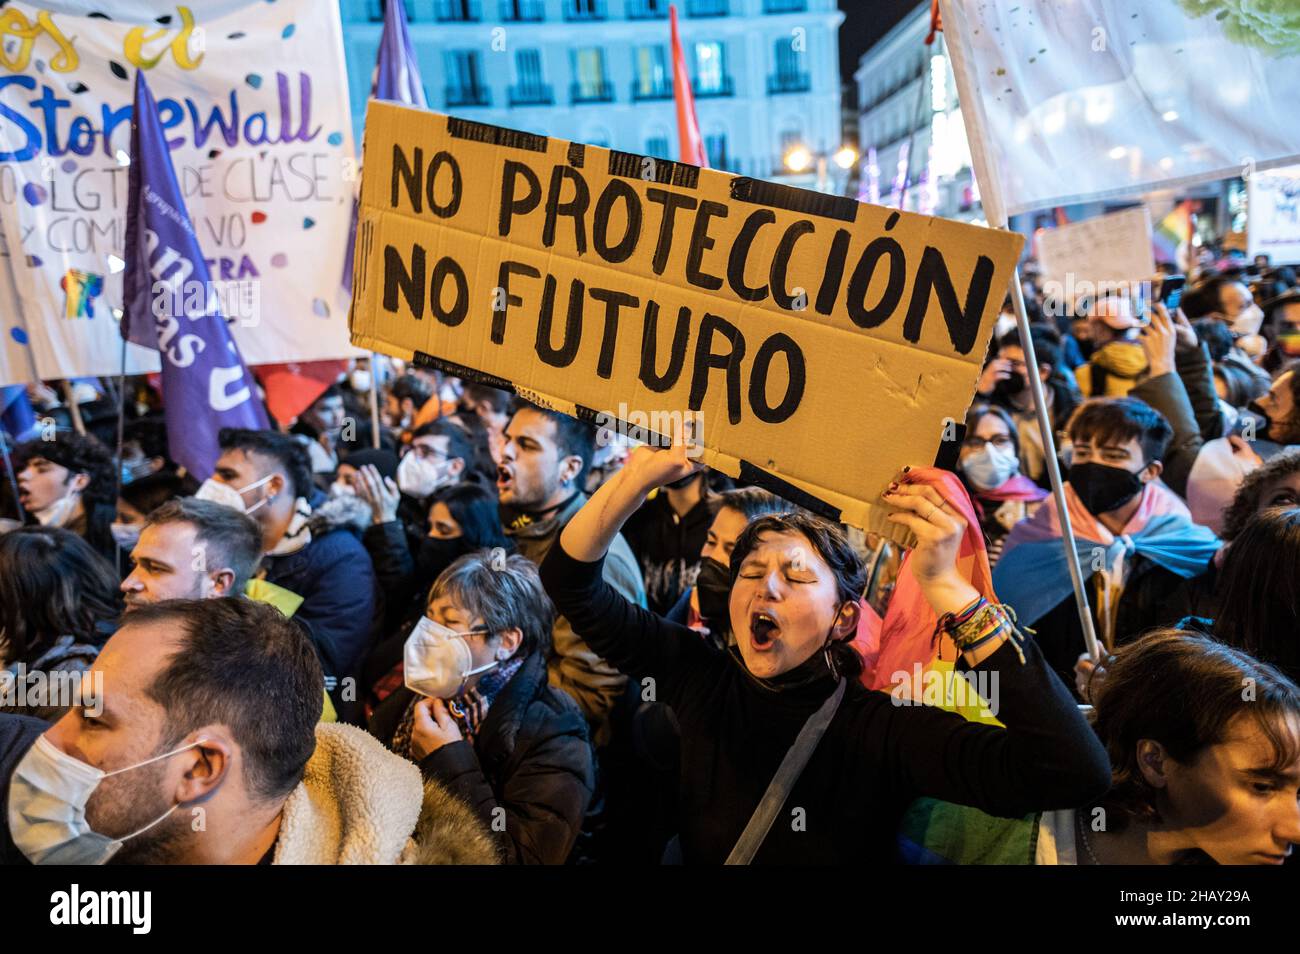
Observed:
{"x":763,"y":631}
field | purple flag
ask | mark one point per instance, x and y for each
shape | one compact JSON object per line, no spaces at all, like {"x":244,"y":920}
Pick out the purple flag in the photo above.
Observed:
{"x":171,"y":305}
{"x":397,"y":78}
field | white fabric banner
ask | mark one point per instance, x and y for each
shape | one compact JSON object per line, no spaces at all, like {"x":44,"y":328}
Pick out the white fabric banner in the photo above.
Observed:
{"x":1273,"y":215}
{"x":255,"y":97}
{"x":1077,"y":100}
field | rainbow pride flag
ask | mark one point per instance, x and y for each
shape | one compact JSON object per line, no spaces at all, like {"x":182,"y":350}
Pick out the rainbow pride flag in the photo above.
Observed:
{"x":1171,"y":239}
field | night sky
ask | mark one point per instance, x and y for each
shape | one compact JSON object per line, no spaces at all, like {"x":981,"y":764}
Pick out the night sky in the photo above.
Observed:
{"x":865,"y":22}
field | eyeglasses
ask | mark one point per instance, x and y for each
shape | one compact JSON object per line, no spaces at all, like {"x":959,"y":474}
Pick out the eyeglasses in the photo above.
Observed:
{"x":428,"y":453}
{"x":975,"y":442}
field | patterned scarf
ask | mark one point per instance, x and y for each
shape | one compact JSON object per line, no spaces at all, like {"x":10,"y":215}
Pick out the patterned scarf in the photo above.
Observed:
{"x":468,"y":709}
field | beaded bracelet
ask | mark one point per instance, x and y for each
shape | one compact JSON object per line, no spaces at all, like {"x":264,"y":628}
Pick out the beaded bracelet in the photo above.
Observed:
{"x":978,"y":623}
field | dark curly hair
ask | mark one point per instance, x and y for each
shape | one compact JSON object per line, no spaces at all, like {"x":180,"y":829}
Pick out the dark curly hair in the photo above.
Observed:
{"x":81,"y":454}
{"x":1246,"y":501}
{"x":1184,"y":691}
{"x":833,"y":547}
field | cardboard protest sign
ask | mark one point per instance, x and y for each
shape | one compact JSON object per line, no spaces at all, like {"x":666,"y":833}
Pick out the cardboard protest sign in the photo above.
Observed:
{"x":818,"y":344}
{"x":1107,"y":253}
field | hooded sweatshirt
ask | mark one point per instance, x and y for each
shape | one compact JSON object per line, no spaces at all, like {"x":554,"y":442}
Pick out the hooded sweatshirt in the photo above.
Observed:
{"x":1113,"y":369}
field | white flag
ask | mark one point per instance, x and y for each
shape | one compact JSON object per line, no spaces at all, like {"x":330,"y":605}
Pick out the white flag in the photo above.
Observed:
{"x":1074,"y":100}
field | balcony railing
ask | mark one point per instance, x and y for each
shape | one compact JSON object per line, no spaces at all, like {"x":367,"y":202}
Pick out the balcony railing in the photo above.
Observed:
{"x":789,"y":83}
{"x":532,"y":94}
{"x":662,"y":90}
{"x":647,"y":10}
{"x":468,"y":96}
{"x":457,"y":11}
{"x":602,"y":92}
{"x":707,"y":8}
{"x":724,"y":87}
{"x":785,"y":6}
{"x":523,"y":11}
{"x":584,"y":10}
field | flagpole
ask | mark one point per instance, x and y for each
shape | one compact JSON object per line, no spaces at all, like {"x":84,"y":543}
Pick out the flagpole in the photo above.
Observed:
{"x":13,"y":478}
{"x":374,"y":400}
{"x":911,"y":136}
{"x":974,"y":120}
{"x":121,"y":414}
{"x":77,"y":423}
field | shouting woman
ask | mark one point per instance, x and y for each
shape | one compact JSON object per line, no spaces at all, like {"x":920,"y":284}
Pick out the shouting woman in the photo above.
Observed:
{"x":780,"y":717}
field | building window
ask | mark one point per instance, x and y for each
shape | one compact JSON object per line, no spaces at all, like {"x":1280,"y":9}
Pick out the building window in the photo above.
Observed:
{"x":711,"y":77}
{"x":529,"y":90}
{"x":465,"y":83}
{"x":785,"y":6}
{"x":657,"y":146}
{"x":589,"y":83}
{"x":652,"y":79}
{"x":584,"y":9}
{"x":523,"y":11}
{"x":457,"y":11}
{"x":715,"y":146}
{"x":706,"y":8}
{"x":647,"y":9}
{"x":790,"y":75}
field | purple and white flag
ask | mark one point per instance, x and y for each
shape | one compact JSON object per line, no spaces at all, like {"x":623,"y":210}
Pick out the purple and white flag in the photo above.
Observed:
{"x":172,"y":306}
{"x":397,"y":78}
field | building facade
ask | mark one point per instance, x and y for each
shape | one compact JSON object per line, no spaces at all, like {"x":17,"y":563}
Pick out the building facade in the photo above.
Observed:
{"x":765,"y":72}
{"x":907,"y":95}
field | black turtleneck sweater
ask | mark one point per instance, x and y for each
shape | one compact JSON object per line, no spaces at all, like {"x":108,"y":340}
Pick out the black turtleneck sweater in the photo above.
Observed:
{"x":875,"y":758}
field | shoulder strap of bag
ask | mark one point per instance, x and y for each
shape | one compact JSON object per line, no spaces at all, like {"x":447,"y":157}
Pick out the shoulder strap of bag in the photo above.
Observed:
{"x":778,"y":790}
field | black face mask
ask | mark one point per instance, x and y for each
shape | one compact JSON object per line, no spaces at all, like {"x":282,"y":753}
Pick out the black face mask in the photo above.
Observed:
{"x":713,"y":591}
{"x":1009,"y":387}
{"x":681,"y":482}
{"x":1101,"y":488}
{"x":436,"y":554}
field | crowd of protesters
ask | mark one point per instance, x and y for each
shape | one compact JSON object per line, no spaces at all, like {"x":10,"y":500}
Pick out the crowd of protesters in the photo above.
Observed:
{"x":488,"y":633}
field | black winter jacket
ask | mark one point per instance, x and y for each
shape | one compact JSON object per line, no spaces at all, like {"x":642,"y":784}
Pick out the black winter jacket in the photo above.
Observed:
{"x":530,"y":766}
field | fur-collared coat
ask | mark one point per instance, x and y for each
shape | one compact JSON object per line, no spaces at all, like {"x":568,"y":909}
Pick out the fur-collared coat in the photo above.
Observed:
{"x":358,"y":803}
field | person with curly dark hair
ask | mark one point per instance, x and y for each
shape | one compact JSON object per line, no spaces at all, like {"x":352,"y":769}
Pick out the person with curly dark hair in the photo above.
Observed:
{"x":1275,"y":483}
{"x":68,"y":481}
{"x":58,"y":601}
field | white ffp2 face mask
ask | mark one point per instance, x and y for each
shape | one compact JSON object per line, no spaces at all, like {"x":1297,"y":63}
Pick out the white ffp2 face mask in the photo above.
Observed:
{"x":228,"y":496}
{"x":47,"y":807}
{"x":417,"y":477}
{"x":437,"y":661}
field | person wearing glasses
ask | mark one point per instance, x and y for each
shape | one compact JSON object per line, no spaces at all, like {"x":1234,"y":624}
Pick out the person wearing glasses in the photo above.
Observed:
{"x":989,"y":467}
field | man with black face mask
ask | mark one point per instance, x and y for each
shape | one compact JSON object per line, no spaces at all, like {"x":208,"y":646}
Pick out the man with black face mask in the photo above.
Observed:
{"x":666,"y":535}
{"x":1005,"y":382}
{"x":1136,"y":541}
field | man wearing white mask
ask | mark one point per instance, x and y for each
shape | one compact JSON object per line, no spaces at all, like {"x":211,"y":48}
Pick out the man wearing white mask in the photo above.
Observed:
{"x":1229,"y":300}
{"x":267,"y":476}
{"x":68,"y":482}
{"x":189,"y":733}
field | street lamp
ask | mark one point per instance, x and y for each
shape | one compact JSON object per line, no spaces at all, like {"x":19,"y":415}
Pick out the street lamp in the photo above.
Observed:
{"x":799,"y":158}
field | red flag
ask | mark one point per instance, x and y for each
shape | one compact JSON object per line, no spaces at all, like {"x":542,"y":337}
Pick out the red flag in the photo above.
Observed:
{"x":936,"y":22}
{"x":294,"y":387}
{"x":691,"y":144}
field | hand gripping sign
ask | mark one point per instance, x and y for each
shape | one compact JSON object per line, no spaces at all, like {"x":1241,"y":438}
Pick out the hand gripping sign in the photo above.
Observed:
{"x":821,"y":343}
